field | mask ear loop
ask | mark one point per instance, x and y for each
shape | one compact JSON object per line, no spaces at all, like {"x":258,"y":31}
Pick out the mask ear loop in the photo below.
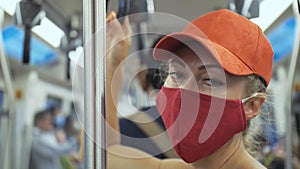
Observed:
{"x":250,"y":97}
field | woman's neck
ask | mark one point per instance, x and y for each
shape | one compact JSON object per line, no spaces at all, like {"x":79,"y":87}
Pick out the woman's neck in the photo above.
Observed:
{"x":231,"y":156}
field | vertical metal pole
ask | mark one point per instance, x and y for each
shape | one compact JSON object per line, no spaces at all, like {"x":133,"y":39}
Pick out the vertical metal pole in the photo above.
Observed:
{"x":291,"y":75}
{"x":100,"y":59}
{"x":94,"y":72}
{"x":11,"y":130}
{"x":88,"y":84}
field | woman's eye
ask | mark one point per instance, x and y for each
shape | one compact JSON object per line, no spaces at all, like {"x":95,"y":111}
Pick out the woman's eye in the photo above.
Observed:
{"x":176,"y":76}
{"x":212,"y":82}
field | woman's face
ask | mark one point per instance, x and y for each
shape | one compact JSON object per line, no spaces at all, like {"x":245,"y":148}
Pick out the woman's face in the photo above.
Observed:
{"x":202,"y":73}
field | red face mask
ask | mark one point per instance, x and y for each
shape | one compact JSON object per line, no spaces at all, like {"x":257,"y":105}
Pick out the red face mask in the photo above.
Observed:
{"x":199,"y":124}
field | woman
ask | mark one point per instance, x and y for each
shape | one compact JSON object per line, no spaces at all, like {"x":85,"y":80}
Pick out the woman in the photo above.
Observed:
{"x":219,"y":68}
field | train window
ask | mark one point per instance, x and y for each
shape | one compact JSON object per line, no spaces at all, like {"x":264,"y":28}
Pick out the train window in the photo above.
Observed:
{"x":282,"y":38}
{"x":41,"y":53}
{"x":53,"y":101}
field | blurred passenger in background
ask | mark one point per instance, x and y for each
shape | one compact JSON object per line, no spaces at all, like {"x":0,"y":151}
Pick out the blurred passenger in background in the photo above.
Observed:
{"x":71,"y":133}
{"x":58,"y":122}
{"x":278,"y":156}
{"x":69,"y":127}
{"x":46,"y":147}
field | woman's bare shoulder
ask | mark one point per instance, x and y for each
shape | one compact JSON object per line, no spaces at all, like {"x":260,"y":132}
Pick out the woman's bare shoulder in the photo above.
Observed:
{"x":253,"y":164}
{"x":124,"y":157}
{"x":174,"y":164}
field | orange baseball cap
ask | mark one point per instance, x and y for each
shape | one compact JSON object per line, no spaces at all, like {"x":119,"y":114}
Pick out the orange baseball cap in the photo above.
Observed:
{"x":237,"y":44}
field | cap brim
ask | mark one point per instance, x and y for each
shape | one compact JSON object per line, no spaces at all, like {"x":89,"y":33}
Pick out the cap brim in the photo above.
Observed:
{"x":170,"y":43}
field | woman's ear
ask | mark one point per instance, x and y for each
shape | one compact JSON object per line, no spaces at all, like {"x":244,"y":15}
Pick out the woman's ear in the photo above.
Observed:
{"x":253,"y":106}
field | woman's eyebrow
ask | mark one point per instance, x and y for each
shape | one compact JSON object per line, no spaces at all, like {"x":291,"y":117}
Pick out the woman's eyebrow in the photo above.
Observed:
{"x":205,"y":67}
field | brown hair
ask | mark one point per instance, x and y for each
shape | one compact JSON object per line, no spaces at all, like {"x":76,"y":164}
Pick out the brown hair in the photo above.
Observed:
{"x":253,"y":137}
